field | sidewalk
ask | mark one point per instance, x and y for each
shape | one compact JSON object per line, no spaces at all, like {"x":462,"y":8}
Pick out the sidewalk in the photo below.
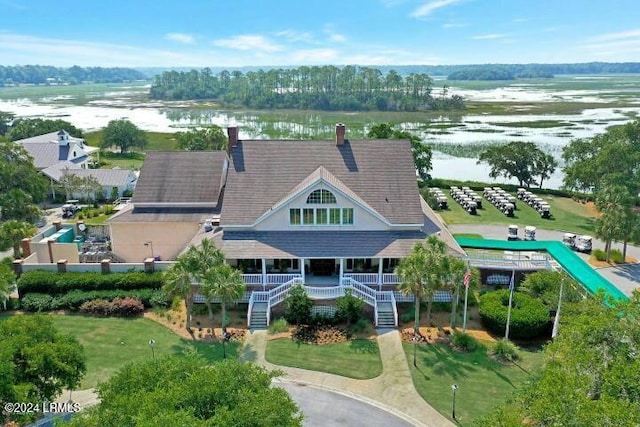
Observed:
{"x":392,"y":391}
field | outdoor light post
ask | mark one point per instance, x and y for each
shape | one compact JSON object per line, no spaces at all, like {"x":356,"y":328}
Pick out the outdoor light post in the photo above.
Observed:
{"x":415,"y":349}
{"x":150,"y":245}
{"x":152,"y":344}
{"x":454,"y":387}
{"x":224,"y":338}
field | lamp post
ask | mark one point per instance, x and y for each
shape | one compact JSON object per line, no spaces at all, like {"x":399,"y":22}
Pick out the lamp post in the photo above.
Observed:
{"x":152,"y":344}
{"x":415,"y":349}
{"x":454,"y":387}
{"x":150,"y":245}
{"x":224,"y":338}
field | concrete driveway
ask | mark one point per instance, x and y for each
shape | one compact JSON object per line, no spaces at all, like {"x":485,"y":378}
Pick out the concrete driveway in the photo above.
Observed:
{"x":624,"y":277}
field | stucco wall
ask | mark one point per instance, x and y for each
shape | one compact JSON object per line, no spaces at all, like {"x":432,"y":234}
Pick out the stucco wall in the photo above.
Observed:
{"x":168,"y":239}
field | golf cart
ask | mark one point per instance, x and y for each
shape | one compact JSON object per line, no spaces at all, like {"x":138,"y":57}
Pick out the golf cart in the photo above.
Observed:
{"x":442,"y":202}
{"x":70,"y":208}
{"x":584,"y":244}
{"x":512,"y":234}
{"x":569,"y":239}
{"x":545,"y":211}
{"x":529,"y":233}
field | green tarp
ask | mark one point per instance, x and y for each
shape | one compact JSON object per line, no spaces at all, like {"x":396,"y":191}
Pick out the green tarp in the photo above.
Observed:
{"x":582,"y":272}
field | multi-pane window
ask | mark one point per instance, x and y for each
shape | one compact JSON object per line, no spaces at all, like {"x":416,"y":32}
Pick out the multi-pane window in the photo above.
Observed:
{"x":347,"y":215}
{"x":321,"y":216}
{"x":295,"y":217}
{"x":321,"y":196}
{"x":307,"y":216}
{"x":334,"y":216}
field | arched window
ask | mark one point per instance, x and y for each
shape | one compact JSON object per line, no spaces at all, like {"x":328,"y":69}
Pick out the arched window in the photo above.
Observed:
{"x":321,"y":196}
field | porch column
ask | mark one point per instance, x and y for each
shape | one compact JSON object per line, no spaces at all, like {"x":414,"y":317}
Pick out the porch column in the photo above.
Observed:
{"x":302,"y":269}
{"x":341,"y":270}
{"x":380,"y":274}
{"x":264,"y":273}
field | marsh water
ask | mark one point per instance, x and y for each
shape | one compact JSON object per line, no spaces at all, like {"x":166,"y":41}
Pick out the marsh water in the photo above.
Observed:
{"x":549,"y":112}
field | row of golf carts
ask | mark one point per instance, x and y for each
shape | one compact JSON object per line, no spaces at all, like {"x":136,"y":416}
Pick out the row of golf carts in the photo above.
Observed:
{"x":529,"y":233}
{"x":582,"y":243}
{"x":467,"y":198}
{"x":535,"y":202}
{"x":440,"y":198}
{"x":502,"y":200}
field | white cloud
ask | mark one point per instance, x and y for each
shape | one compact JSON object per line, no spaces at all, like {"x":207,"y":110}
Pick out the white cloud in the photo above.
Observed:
{"x":248,"y":42}
{"x":518,"y":20}
{"x":296,"y":36}
{"x":314,"y":56}
{"x":489,"y":36}
{"x":180,"y":37}
{"x":429,"y":7}
{"x":633,"y":43}
{"x":392,"y":3}
{"x":448,"y":25}
{"x":339,"y":38}
{"x":616,"y":36}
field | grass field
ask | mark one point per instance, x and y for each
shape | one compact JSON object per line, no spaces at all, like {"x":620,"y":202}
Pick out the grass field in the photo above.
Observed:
{"x":483,"y":383}
{"x":567,"y":215}
{"x":109,"y":343}
{"x":158,"y":141}
{"x":359,"y":359}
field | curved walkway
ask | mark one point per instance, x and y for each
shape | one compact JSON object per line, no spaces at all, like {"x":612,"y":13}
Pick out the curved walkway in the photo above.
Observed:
{"x":392,"y":391}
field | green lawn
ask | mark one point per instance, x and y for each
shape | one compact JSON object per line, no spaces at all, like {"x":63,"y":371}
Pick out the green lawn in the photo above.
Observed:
{"x":468,"y":235}
{"x":359,"y":359}
{"x":109,"y":343}
{"x":483,"y":382}
{"x":567,"y":215}
{"x":158,"y":141}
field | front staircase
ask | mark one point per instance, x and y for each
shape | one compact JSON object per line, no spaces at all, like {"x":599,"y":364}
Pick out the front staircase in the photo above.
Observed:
{"x":258,"y":318}
{"x":386,"y":317}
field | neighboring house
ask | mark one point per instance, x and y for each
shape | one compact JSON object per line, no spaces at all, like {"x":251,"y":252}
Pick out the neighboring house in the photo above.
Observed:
{"x":56,"y":152}
{"x":51,"y":148}
{"x":175,"y":194}
{"x":119,"y":179}
{"x":322,"y":213}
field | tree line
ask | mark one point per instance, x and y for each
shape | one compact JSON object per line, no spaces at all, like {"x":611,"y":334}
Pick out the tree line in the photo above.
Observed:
{"x":43,"y":74}
{"x":484,"y":72}
{"x":349,"y":88}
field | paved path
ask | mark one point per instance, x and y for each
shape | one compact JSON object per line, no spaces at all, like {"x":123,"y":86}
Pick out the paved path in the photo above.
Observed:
{"x":624,"y":277}
{"x":392,"y":391}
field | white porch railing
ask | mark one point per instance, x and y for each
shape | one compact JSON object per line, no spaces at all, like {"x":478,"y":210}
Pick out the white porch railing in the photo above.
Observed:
{"x":387,"y":296}
{"x":279,"y":279}
{"x":252,"y":279}
{"x":324,"y":292}
{"x":364,"y":278}
{"x":390,"y":279}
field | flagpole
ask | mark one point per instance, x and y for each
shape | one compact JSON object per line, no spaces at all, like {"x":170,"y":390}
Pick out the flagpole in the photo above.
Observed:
{"x":556,"y":320}
{"x":511,"y":286}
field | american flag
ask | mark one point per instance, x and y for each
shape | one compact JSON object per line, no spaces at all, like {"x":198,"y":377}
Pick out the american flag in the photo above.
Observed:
{"x":467,"y":278}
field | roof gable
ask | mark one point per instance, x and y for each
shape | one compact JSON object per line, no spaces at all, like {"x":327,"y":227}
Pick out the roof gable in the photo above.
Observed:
{"x":380,"y":173}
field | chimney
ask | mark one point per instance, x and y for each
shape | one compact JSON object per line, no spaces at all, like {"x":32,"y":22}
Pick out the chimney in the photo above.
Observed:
{"x":232,"y":132}
{"x":340,"y":131}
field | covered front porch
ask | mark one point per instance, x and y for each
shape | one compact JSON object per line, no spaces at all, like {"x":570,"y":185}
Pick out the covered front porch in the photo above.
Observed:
{"x":264,"y":273}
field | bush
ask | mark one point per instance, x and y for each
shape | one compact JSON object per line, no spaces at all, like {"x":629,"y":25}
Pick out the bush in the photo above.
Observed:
{"x":37,"y":302}
{"x":616,"y":256}
{"x":297,"y":306}
{"x":529,"y":316}
{"x":278,"y":326}
{"x":349,"y":308}
{"x":463,"y":341}
{"x":407,"y":317}
{"x":504,"y":351}
{"x":124,"y":307}
{"x":600,"y":255}
{"x":73,"y":300}
{"x":53,"y":283}
{"x":360,"y":326}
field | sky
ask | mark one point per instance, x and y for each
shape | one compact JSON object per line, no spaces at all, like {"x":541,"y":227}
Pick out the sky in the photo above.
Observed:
{"x":235,"y":33}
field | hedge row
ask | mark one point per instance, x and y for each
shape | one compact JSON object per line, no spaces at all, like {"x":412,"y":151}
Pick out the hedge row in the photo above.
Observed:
{"x":529,"y":316}
{"x":54,"y":283}
{"x":124,"y":307}
{"x":75,"y":299}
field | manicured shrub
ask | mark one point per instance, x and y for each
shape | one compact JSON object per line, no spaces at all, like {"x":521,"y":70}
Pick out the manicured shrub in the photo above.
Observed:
{"x":53,"y":283}
{"x":529,"y":316}
{"x":73,"y":300}
{"x":349,"y":308}
{"x":123,"y":307}
{"x":504,"y":351}
{"x":600,"y":255}
{"x":463,"y":341}
{"x":297,"y":306}
{"x":278,"y":326}
{"x":37,"y":302}
{"x":360,"y":326}
{"x":616,"y":256}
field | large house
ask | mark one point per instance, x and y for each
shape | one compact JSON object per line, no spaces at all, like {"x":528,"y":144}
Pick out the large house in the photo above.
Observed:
{"x":330,"y":214}
{"x":57,"y":153}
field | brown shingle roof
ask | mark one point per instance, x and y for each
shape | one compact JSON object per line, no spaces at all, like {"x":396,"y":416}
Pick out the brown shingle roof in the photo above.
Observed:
{"x":380,"y":172}
{"x":181,"y":177}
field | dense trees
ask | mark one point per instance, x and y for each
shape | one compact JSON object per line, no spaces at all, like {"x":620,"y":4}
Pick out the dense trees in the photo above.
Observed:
{"x":21,"y":185}
{"x":36,"y":361}
{"x":45,"y":74}
{"x":590,"y":375}
{"x":124,"y":135}
{"x":523,"y":161}
{"x":209,"y":138}
{"x":421,"y":152}
{"x":187,"y":391}
{"x":317,"y":88}
{"x":26,"y":128}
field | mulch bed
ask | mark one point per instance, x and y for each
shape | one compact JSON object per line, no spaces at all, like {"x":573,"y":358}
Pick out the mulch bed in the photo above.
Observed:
{"x":320,"y":335}
{"x":426,"y":336}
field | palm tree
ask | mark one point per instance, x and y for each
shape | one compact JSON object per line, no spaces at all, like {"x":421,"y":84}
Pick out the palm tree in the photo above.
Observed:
{"x":437,"y":267}
{"x":7,"y":278}
{"x":411,"y":271}
{"x":457,"y":270}
{"x":12,"y":232}
{"x":178,"y":280}
{"x":224,"y":283}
